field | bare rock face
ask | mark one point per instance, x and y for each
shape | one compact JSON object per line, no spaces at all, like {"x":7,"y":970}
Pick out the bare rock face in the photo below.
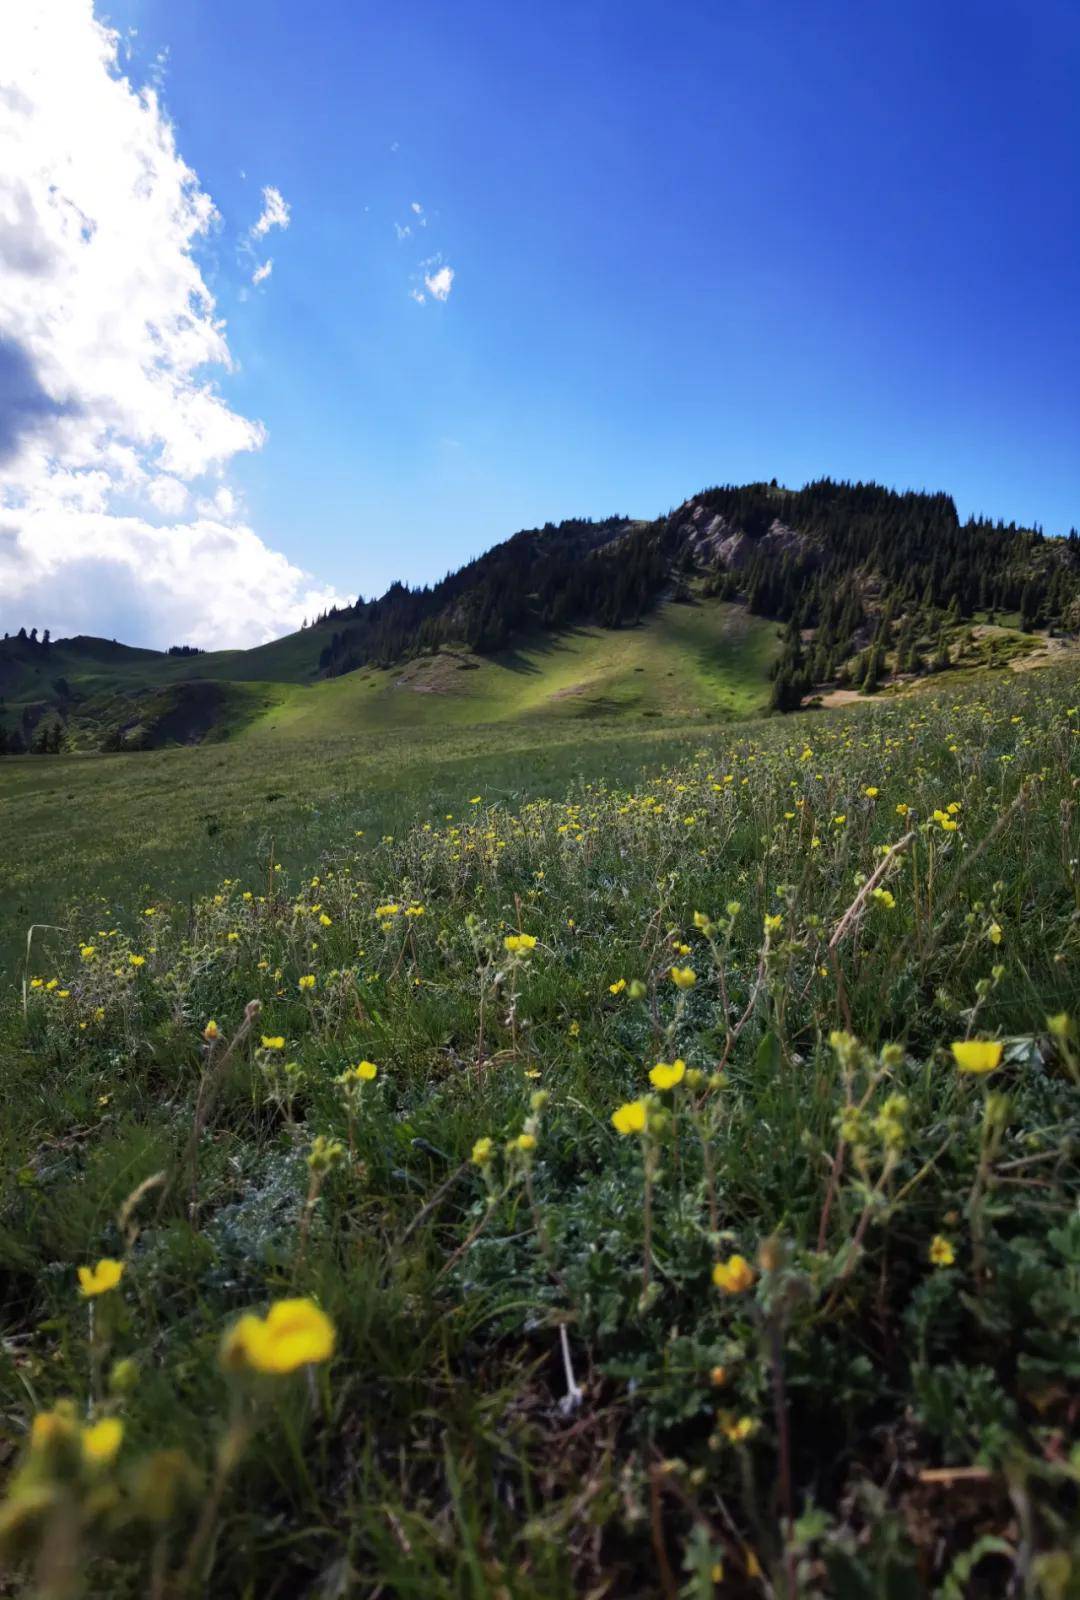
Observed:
{"x":717,"y":542}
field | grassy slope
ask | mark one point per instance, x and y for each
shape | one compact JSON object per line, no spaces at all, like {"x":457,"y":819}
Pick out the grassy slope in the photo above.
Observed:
{"x":709,"y":659}
{"x":697,"y":661}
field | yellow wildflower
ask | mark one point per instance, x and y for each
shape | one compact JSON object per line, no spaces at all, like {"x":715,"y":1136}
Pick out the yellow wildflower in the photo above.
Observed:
{"x":54,"y":1427}
{"x":482,"y":1151}
{"x":734,"y":1276}
{"x":307,"y":981}
{"x":102,"y":1440}
{"x":977,"y":1055}
{"x":683,"y":977}
{"x":941,"y":1251}
{"x":665,"y":1075}
{"x":273,"y":1041}
{"x":520,"y":944}
{"x":631,"y":1117}
{"x":100,"y":1279}
{"x":294,"y":1333}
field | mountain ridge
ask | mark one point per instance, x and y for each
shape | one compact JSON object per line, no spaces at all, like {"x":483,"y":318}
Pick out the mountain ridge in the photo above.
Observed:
{"x":868,"y":585}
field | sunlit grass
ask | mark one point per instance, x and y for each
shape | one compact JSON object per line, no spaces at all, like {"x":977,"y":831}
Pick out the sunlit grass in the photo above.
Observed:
{"x":670,"y":1178}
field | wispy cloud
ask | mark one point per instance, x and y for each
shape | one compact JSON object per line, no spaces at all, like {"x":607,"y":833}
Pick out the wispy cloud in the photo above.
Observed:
{"x":440,"y":282}
{"x":276,"y":213}
{"x":261,"y":274}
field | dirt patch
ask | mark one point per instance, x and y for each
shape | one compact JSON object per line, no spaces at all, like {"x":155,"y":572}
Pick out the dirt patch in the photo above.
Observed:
{"x":1052,"y":650}
{"x":437,"y":674}
{"x":840,"y":697}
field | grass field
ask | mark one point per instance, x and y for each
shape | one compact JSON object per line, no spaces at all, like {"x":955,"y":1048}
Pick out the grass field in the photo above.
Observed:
{"x":310,"y":763}
{"x":655,"y":1141}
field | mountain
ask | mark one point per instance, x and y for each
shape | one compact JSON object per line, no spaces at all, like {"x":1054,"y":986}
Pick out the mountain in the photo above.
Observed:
{"x":866,"y":584}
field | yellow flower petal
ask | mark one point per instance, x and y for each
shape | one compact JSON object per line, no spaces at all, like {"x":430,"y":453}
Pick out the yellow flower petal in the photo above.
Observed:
{"x":630,"y":1118}
{"x":100,"y":1279}
{"x":977,"y":1055}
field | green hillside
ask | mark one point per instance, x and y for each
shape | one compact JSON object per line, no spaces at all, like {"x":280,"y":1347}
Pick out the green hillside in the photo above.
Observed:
{"x":705,"y":658}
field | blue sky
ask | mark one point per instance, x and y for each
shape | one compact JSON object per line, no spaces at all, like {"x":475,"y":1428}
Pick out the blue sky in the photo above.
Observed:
{"x":691,"y":243}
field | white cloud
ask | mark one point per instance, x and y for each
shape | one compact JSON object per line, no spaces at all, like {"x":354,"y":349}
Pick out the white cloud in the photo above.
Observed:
{"x":402,"y":232}
{"x":261,"y":274}
{"x":275,"y":213}
{"x":440,"y":282}
{"x":417,"y":207}
{"x":169,"y":495}
{"x":108,"y":334}
{"x":419,"y":296}
{"x":206,"y":582}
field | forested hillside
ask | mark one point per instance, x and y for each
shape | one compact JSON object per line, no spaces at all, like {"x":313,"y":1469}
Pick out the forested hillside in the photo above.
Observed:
{"x":858,"y":566}
{"x":866,"y":584}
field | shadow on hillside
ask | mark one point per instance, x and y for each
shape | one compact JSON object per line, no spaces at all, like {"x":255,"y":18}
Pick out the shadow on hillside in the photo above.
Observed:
{"x":540,"y":644}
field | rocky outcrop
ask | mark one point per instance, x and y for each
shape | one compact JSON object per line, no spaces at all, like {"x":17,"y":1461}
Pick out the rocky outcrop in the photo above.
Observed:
{"x":715,"y":541}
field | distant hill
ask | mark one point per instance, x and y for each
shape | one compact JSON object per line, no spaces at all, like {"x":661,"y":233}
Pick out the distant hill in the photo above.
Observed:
{"x":861,"y":585}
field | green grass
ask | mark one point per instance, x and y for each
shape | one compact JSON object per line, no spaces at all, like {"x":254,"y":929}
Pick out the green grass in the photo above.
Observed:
{"x":821,"y":1131}
{"x":708,"y":659}
{"x":307,"y":765}
{"x":169,"y":821}
{"x":686,"y":662}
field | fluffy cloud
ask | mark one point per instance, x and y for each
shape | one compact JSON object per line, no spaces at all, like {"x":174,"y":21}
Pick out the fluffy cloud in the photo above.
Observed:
{"x":108,"y":418}
{"x":207,"y":582}
{"x":440,"y":282}
{"x":275,"y":213}
{"x":261,"y":274}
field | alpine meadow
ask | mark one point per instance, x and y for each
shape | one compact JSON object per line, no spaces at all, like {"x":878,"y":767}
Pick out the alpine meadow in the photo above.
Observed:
{"x":561,"y":1079}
